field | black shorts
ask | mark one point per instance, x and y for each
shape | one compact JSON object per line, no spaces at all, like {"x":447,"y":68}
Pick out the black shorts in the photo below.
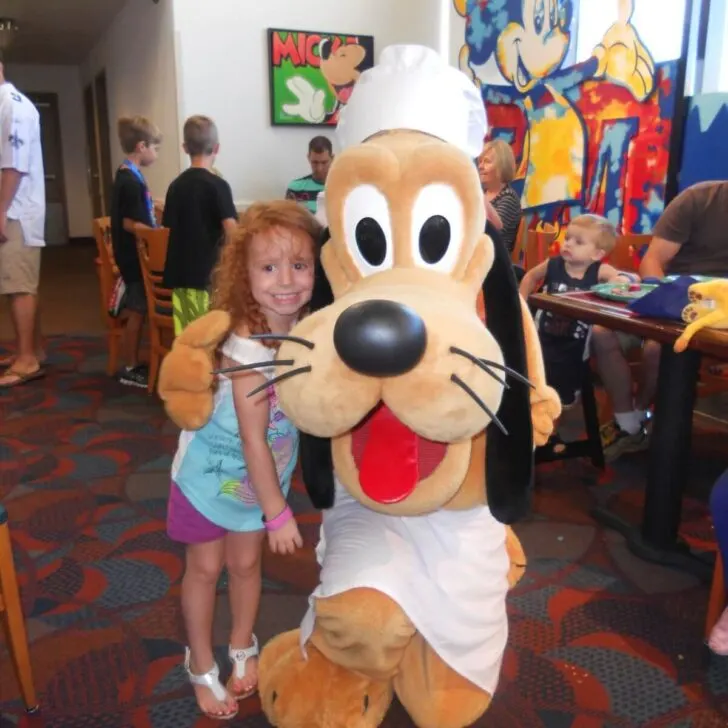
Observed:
{"x":564,"y":364}
{"x":135,"y":297}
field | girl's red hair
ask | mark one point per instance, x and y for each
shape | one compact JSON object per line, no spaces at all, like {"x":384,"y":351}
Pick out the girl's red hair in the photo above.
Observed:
{"x":231,"y":278}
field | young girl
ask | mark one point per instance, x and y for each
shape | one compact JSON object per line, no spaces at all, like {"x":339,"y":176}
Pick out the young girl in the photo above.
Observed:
{"x":231,"y":478}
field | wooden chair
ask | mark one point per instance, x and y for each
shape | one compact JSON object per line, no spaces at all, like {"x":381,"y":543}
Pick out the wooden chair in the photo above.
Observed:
{"x":626,"y":251}
{"x":108,"y":274}
{"x":517,"y":253}
{"x":152,"y":247}
{"x":11,"y":614}
{"x":538,"y":244}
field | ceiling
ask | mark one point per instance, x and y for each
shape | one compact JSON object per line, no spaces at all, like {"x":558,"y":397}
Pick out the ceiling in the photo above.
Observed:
{"x":57,"y":31}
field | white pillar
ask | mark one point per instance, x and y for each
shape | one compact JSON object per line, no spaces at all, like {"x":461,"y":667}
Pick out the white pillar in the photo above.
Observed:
{"x":715,"y":69}
{"x":443,"y":37}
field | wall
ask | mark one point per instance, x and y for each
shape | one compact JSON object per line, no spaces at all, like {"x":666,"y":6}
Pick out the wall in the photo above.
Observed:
{"x":138,"y":53}
{"x":223,"y":73}
{"x":64,"y":81}
{"x":583,"y":141}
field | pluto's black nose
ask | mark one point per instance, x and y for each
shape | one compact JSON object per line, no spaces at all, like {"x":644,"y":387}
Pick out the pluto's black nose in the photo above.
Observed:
{"x":380,"y":338}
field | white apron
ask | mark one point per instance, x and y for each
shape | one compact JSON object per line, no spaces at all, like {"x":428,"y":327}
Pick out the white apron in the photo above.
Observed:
{"x":447,"y":571}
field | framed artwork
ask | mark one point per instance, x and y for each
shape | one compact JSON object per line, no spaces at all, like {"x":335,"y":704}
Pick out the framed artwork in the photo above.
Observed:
{"x":312,"y":74}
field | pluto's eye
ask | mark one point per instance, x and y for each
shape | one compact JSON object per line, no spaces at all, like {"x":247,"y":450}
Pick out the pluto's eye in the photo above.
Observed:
{"x":371,"y":241}
{"x":368,"y":229}
{"x":434,"y":239}
{"x":437,"y":228}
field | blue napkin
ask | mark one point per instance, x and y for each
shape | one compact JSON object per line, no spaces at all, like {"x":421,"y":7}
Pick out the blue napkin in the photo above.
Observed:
{"x":667,"y":301}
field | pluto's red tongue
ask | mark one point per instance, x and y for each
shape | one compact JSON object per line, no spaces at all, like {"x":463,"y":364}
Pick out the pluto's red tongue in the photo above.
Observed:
{"x":389,"y":470}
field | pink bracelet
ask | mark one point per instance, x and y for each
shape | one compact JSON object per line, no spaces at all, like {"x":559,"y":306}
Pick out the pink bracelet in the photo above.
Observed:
{"x":279,"y":521}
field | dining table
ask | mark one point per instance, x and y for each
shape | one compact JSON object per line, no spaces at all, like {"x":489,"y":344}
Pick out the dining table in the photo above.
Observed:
{"x":656,"y":539}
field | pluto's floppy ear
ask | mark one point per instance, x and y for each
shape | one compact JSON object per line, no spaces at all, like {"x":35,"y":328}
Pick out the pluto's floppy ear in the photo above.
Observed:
{"x":509,"y":458}
{"x":317,"y":466}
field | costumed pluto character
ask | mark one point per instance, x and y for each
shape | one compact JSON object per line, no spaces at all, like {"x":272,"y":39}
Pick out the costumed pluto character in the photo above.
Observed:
{"x":418,"y":420}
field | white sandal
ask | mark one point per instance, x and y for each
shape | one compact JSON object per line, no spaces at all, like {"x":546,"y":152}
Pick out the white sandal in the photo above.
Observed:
{"x":239,"y":658}
{"x":210,"y":680}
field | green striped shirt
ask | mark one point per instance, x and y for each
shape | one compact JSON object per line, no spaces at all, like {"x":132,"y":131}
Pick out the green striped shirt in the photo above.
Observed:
{"x":304,"y":190}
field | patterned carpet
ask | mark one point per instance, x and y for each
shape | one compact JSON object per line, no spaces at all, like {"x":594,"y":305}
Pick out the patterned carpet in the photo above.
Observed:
{"x":599,"y":639}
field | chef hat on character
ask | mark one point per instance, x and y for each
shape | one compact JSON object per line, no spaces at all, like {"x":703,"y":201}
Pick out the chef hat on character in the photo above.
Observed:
{"x":412,"y":87}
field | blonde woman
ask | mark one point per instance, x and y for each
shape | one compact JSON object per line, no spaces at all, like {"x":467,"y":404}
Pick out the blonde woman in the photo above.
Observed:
{"x":497,"y":168}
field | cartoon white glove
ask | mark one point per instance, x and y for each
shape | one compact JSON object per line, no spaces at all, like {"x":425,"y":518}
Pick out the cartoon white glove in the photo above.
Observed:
{"x":310,"y":106}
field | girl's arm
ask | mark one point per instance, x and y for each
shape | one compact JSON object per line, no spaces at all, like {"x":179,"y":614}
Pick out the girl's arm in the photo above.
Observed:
{"x":253,"y":419}
{"x":531,"y":279}
{"x":608,"y":273}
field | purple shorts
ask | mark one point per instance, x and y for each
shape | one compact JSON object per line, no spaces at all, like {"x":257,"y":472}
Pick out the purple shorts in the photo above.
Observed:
{"x":185,"y":524}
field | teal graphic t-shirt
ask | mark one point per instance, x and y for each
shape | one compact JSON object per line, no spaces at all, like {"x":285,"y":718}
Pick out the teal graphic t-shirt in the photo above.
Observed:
{"x":210,"y":467}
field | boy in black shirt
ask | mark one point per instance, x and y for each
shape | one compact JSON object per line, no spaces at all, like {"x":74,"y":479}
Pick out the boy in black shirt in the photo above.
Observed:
{"x":200,"y":214}
{"x":132,"y":207}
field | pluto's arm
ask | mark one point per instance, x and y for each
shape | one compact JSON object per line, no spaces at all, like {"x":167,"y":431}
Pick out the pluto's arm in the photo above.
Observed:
{"x":545,"y":403}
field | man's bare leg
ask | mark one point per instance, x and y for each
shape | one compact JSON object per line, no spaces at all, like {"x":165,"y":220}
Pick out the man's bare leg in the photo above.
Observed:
{"x":648,"y":376}
{"x":22,"y":311}
{"x":613,"y":369}
{"x":38,"y":342}
{"x":629,"y":435}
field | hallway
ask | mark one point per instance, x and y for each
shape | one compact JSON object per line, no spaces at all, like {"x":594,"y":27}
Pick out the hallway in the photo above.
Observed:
{"x":69,"y":294}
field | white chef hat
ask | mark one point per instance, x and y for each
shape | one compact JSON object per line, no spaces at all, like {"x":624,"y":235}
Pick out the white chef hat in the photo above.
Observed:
{"x":412,"y":87}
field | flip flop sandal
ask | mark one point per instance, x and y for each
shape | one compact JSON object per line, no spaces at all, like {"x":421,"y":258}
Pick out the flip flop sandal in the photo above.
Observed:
{"x":9,"y":360}
{"x":210,"y":680}
{"x":20,"y":377}
{"x":239,"y":658}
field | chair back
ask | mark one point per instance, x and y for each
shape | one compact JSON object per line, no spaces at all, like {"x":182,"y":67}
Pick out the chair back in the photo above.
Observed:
{"x":106,"y":267}
{"x":538,"y":244}
{"x":625,"y":255}
{"x":152,"y":248}
{"x":517,"y":252}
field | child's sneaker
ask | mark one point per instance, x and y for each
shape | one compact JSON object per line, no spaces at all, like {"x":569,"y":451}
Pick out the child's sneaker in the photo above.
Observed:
{"x":137,"y":376}
{"x":617,"y":442}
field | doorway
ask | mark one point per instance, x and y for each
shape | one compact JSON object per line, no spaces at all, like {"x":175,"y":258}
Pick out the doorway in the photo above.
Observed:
{"x":96,"y":111}
{"x":56,"y":220}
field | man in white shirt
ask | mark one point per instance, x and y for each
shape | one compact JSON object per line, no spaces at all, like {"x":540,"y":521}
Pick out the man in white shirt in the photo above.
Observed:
{"x":22,"y":226}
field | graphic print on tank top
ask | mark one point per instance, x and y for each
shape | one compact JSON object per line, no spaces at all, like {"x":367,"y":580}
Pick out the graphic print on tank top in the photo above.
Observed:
{"x":557,"y":280}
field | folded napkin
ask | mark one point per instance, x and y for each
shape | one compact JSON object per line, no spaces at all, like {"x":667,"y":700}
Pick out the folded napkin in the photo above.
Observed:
{"x":667,"y":301}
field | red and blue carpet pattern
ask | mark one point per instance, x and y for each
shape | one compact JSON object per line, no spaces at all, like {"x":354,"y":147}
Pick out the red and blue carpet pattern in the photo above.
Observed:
{"x":598,"y":638}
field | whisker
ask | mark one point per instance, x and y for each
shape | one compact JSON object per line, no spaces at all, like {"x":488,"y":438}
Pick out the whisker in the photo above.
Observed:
{"x":478,"y":363}
{"x":284,"y":337}
{"x":257,"y":365}
{"x":511,"y":372}
{"x":280,"y":378}
{"x":455,"y":378}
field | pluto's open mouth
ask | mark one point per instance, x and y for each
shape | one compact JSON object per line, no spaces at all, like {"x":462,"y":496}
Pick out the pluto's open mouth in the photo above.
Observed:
{"x":390,"y":457}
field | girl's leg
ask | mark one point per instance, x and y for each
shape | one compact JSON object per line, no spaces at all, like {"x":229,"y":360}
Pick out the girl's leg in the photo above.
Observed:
{"x":719,"y":510}
{"x":243,"y":559}
{"x":204,"y":563}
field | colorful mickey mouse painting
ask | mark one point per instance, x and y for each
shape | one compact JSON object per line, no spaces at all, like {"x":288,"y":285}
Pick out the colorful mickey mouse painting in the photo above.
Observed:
{"x":313,"y":74}
{"x":572,"y":125}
